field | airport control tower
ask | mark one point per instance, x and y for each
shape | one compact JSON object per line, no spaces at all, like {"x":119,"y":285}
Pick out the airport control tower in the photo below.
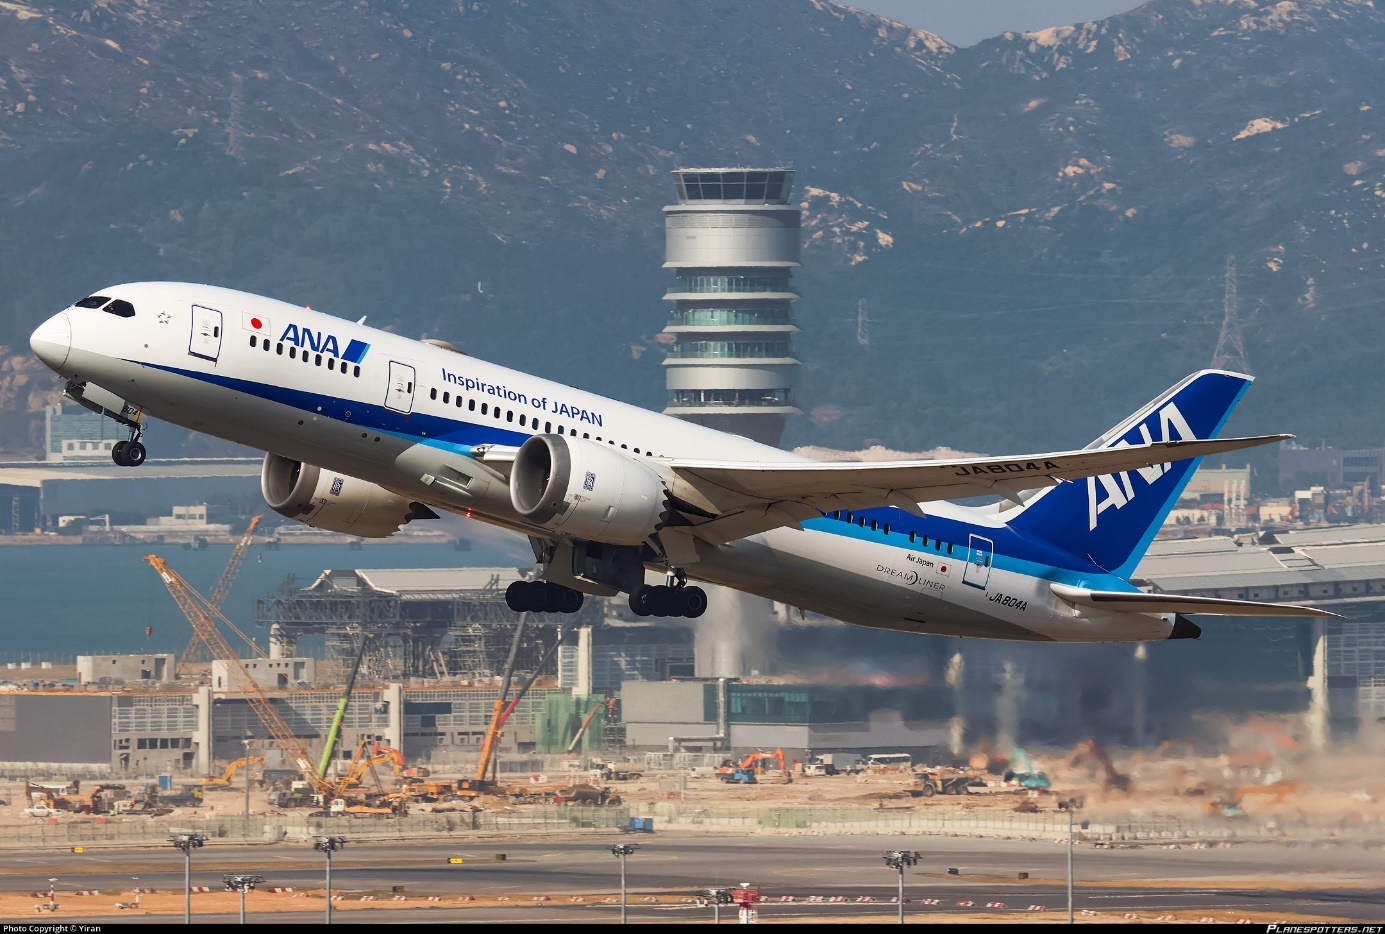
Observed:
{"x":732,"y":240}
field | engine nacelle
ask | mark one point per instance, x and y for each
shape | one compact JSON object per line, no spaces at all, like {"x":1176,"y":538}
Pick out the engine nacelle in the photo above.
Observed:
{"x":326,"y":500}
{"x":587,"y":490}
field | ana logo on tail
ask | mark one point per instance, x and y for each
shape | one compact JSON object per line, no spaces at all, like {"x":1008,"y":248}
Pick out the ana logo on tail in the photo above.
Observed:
{"x":1117,"y":488}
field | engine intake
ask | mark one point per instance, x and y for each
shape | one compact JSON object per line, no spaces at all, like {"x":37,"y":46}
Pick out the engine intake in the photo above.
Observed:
{"x":587,"y":490}
{"x":326,"y":500}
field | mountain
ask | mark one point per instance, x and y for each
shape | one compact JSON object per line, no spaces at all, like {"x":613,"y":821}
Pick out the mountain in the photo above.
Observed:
{"x":1039,"y":226}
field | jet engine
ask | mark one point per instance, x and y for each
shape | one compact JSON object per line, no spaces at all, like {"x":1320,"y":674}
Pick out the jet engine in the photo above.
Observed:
{"x":587,"y":490}
{"x":326,"y":500}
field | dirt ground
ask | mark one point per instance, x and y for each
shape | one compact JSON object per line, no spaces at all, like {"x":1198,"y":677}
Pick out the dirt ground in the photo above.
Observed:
{"x":1341,"y":789}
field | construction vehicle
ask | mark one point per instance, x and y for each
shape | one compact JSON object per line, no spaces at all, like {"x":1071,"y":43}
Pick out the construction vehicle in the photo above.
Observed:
{"x":344,"y":807}
{"x":222,"y":589}
{"x":745,"y":772}
{"x":329,"y":748}
{"x":429,"y":791}
{"x":1229,"y":805}
{"x":942,"y":781}
{"x":204,"y":617}
{"x":1089,"y":751}
{"x":611,"y":772}
{"x":819,"y":765}
{"x":586,"y":795}
{"x":1023,"y":773}
{"x":224,"y":780}
{"x":155,"y":797}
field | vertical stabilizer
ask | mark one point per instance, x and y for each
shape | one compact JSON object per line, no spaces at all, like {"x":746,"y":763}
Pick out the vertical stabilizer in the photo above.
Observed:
{"x":1110,"y":520}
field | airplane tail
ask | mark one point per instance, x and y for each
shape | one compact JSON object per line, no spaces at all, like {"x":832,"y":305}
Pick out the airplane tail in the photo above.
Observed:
{"x":1110,"y":520}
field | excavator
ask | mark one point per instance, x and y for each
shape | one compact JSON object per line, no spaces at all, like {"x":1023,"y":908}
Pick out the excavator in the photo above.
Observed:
{"x":1090,"y":751}
{"x":1229,"y":805}
{"x":224,"y":780}
{"x":752,"y":765}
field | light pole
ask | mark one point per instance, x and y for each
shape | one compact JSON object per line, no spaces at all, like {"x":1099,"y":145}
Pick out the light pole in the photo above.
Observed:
{"x":187,"y":842}
{"x":898,"y":859}
{"x":718,"y":898}
{"x":1070,"y":805}
{"x":328,"y":846}
{"x":242,"y":884}
{"x":623,"y":850}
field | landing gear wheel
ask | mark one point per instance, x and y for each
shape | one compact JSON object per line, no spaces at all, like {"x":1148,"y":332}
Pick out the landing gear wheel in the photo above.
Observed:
{"x":550,"y":598}
{"x":691,"y":601}
{"x":118,"y":452}
{"x":517,"y":597}
{"x":641,"y":600}
{"x":663,"y":602}
{"x":571,"y":600}
{"x":134,"y":454}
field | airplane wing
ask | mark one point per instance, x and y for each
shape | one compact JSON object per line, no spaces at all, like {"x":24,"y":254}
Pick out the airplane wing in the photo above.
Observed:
{"x":1124,"y":602}
{"x":724,"y":501}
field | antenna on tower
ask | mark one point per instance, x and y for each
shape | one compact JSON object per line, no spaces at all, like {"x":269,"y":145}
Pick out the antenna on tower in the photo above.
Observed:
{"x":862,"y":323}
{"x":1231,"y":350}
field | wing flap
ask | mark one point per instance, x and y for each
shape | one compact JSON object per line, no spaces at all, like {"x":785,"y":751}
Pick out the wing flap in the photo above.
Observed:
{"x":1139,"y":602}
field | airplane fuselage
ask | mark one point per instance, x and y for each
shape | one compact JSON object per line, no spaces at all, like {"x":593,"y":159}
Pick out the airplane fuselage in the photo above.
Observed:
{"x":394,"y":412}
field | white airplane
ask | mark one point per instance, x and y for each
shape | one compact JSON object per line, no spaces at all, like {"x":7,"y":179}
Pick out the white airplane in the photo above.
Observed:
{"x":366,"y":430}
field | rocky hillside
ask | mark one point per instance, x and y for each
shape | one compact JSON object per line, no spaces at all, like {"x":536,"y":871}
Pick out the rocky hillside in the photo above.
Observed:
{"x":1039,"y":225}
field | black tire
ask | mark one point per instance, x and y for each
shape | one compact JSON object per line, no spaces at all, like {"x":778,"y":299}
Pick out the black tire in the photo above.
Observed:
{"x":135,"y":454}
{"x":641,"y":599}
{"x":928,"y":790}
{"x":517,"y":597}
{"x":662,"y":601}
{"x":572,"y":600}
{"x":551,"y":596}
{"x":118,"y":452}
{"x":692,"y":602}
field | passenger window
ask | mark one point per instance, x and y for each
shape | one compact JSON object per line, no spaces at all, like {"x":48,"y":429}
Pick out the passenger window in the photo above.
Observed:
{"x":637,"y":450}
{"x":459,"y":402}
{"x":925,"y":541}
{"x":471,"y":406}
{"x":293,"y":352}
{"x":622,"y":447}
{"x":265,"y":345}
{"x":409,"y":386}
{"x":356,"y":371}
{"x":446,"y":398}
{"x":588,"y":435}
{"x":123,"y":309}
{"x":279,"y":349}
{"x":887,"y":528}
{"x":861,"y":521}
{"x":912,"y":537}
{"x":521,"y":421}
{"x":949,"y":547}
{"x":317,"y":360}
{"x":483,"y":408}
{"x":509,"y":415}
{"x":92,"y":301}
{"x":874,"y":525}
{"x":988,"y":561}
{"x":252,"y":340}
{"x":548,"y":428}
{"x":432,"y":393}
{"x":331,"y":363}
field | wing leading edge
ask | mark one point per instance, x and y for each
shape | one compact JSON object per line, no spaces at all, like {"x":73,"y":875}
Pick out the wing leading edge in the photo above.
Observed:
{"x":740,"y":499}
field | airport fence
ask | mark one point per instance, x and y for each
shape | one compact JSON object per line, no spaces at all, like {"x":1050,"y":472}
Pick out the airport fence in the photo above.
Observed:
{"x":68,"y":832}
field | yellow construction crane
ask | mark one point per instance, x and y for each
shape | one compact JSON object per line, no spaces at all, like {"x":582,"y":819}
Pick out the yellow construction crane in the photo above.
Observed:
{"x":223,"y":586}
{"x":203,"y":616}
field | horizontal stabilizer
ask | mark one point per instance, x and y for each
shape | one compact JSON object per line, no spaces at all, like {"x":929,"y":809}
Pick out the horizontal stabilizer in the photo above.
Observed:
{"x":1137,"y":602}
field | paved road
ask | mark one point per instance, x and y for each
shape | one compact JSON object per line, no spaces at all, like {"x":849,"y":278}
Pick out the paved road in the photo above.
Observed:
{"x":1338,"y":881}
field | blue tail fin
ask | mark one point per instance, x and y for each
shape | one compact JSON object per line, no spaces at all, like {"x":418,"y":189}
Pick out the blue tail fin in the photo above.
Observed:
{"x":1111,"y":520}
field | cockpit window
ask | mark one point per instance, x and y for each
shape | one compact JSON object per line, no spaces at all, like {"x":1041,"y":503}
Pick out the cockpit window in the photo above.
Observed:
{"x":121,"y":308}
{"x":92,"y":301}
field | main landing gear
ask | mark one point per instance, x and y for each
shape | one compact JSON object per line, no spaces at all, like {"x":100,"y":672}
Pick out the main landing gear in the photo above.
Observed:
{"x":129,"y":453}
{"x":663,"y":600}
{"x":542,"y":597}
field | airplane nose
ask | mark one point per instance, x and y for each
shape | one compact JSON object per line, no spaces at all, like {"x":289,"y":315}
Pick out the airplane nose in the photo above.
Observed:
{"x":52,"y":340}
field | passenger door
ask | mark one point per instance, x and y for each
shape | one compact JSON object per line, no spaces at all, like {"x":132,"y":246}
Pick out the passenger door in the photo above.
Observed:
{"x":978,"y":570}
{"x":400,"y":397}
{"x":205,"y":341}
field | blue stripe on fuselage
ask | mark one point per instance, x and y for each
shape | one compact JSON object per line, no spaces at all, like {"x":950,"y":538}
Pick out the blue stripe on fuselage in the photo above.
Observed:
{"x":1013,"y":552}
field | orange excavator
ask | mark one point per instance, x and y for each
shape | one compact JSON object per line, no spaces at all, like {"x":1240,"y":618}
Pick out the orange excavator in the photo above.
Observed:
{"x":757,"y":763}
